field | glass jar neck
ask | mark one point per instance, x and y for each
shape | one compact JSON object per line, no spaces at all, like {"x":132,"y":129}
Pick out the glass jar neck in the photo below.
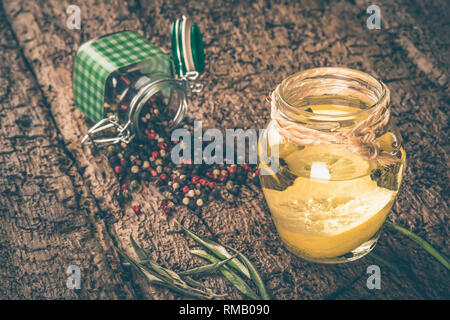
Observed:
{"x":329,"y":99}
{"x":176,"y":92}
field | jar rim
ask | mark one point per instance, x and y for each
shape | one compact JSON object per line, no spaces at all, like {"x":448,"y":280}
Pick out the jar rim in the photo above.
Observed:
{"x":146,"y":92}
{"x":341,"y":73}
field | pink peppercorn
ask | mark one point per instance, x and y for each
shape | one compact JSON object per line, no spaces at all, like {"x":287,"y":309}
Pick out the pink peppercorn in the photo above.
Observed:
{"x":136,"y":208}
{"x":195,"y":179}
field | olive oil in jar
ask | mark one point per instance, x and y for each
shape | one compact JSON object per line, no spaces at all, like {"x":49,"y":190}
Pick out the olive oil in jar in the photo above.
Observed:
{"x":327,"y":202}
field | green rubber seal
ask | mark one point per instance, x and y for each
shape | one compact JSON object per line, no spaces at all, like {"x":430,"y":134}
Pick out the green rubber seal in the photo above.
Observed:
{"x":196,"y":47}
{"x":198,"y":53}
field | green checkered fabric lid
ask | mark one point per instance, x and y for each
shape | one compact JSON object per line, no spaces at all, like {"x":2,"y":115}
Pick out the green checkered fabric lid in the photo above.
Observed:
{"x":97,"y":59}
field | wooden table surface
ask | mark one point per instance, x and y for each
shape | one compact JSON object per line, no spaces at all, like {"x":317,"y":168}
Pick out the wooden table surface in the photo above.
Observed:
{"x":57,"y":199}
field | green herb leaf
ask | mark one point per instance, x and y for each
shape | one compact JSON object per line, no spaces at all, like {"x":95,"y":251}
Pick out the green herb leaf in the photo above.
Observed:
{"x":147,"y":261}
{"x":209,"y":268}
{"x":421,"y":242}
{"x":237,"y":281}
{"x":219,"y":251}
{"x":150,"y":277}
{"x":163,"y":280}
{"x":255,"y":276}
{"x":385,"y":262}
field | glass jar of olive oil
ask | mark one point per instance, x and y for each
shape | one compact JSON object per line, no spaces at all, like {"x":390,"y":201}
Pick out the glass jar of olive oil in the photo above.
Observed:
{"x":340,"y":162}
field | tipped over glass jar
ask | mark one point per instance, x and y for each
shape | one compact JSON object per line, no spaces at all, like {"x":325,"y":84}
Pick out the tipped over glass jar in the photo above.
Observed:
{"x":126,"y":85}
{"x":340,"y":162}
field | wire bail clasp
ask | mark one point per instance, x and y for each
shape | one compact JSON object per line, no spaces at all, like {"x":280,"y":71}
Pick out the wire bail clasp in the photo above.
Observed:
{"x":112,"y":122}
{"x":190,"y":77}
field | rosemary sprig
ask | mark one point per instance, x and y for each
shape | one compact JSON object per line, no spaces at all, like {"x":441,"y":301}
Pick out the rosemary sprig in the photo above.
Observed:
{"x":244,"y":266}
{"x":156,"y":274}
{"x":255,"y":276}
{"x":421,"y":242}
{"x":237,"y":281}
{"x":209,"y":268}
{"x":219,"y":251}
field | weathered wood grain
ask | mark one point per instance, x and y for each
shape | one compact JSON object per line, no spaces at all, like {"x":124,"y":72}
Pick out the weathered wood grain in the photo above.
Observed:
{"x":50,"y":49}
{"x":48,"y":216}
{"x":250,"y":48}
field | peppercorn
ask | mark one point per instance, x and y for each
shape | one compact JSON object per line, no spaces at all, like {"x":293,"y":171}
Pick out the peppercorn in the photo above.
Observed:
{"x":232,"y":169}
{"x":136,"y":208}
{"x":134,"y":169}
{"x":163,"y":176}
{"x":185,"y":201}
{"x":118,"y":169}
{"x":126,"y":194}
{"x":151,"y":135}
{"x":195,"y":179}
{"x":111,"y":150}
{"x":155,"y":154}
{"x":134,"y":185}
{"x":113,"y":107}
{"x":162,"y":145}
{"x":191,"y":193}
{"x":199,"y":202}
{"x":168,"y":195}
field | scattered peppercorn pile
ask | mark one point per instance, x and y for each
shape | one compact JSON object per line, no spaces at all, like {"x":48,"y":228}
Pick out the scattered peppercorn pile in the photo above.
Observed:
{"x":148,"y":159}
